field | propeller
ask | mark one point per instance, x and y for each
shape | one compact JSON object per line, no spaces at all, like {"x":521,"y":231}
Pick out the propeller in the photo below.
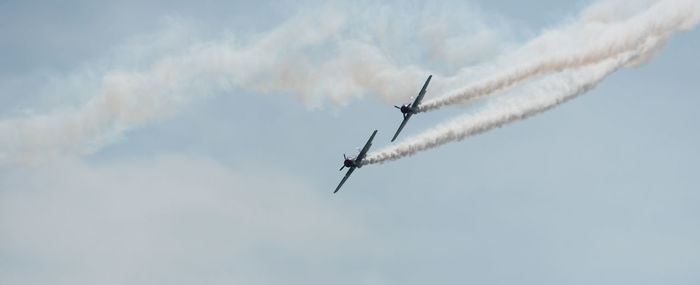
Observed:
{"x":400,"y":108}
{"x":341,"y":168}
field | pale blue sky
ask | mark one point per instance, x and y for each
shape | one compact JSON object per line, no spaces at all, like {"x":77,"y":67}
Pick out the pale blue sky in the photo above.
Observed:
{"x":235,"y":188}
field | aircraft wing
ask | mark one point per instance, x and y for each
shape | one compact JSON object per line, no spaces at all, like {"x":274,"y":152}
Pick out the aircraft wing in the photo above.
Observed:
{"x":403,"y":123}
{"x":416,"y":102}
{"x":364,"y":150}
{"x":347,"y":174}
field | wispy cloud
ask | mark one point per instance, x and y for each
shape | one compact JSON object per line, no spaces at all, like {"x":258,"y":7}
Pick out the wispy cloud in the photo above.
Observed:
{"x":144,"y":220}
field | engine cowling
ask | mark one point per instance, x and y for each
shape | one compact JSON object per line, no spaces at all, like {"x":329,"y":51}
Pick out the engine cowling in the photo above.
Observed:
{"x":349,"y":163}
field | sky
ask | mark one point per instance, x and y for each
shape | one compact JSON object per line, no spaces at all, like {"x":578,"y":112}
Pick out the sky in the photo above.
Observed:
{"x":227,"y":177}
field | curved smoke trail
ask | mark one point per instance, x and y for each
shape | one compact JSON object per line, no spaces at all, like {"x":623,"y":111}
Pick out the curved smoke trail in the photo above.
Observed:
{"x":284,"y":60}
{"x":615,"y":39}
{"x":323,"y":53}
{"x":550,"y":94}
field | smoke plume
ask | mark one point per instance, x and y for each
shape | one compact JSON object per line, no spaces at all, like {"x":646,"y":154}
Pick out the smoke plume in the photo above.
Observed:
{"x":548,"y":94}
{"x":610,"y":40}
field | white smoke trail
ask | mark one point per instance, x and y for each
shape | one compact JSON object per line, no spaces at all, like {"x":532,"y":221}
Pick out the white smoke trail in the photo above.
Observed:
{"x":611,"y":40}
{"x":315,"y":55}
{"x":285,"y":59}
{"x":550,"y":94}
{"x":128,"y":99}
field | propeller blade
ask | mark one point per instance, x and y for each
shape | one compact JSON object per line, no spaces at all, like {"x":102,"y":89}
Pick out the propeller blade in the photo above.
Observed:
{"x":397,"y":107}
{"x":341,"y":168}
{"x":344,"y":157}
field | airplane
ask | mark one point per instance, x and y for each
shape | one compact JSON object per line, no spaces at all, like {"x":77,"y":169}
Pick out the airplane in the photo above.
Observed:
{"x":409,"y":109}
{"x":356,"y":162}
